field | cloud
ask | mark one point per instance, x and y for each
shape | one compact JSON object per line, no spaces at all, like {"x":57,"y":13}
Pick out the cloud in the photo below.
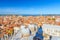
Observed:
{"x":19,"y":11}
{"x":31,"y":11}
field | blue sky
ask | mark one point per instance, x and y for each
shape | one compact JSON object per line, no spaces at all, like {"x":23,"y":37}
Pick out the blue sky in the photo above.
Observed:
{"x":31,"y":7}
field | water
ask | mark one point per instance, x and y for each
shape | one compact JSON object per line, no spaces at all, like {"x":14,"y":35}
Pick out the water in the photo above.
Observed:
{"x":30,"y":14}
